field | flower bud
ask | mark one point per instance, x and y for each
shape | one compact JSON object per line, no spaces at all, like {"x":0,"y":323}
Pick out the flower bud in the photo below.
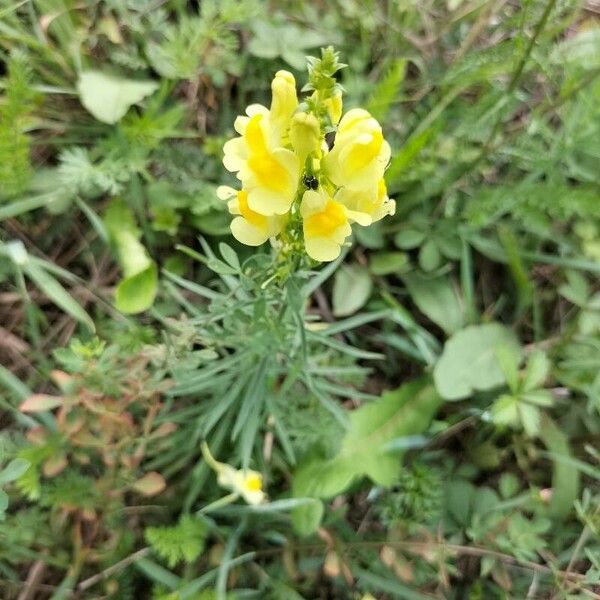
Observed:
{"x":284,"y":101}
{"x":334,"y":107}
{"x":305,"y":134}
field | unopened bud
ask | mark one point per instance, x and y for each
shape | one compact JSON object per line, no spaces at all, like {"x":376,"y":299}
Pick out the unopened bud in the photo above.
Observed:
{"x":305,"y":134}
{"x":285,"y":101}
{"x":334,"y":107}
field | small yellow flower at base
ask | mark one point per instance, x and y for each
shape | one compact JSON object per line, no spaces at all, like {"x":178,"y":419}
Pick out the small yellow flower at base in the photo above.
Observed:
{"x":246,"y":483}
{"x":249,"y":227}
{"x":374,"y":203}
{"x":326,"y":225}
{"x":360,"y":154}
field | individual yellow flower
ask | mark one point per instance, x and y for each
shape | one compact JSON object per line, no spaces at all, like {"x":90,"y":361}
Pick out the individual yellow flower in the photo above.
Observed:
{"x":326,"y":224}
{"x":268,"y":171}
{"x":360,"y":154}
{"x":373,"y":203}
{"x":269,"y":174}
{"x":248,"y":227}
{"x":246,"y":483}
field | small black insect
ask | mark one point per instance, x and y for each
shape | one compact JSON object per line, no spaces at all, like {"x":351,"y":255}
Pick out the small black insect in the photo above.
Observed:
{"x":311,"y":182}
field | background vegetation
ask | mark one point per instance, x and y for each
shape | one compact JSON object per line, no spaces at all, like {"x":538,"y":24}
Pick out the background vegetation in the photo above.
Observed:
{"x":425,"y":412}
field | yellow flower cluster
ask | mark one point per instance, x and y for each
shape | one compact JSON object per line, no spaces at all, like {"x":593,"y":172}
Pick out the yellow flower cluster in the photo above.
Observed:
{"x":289,"y":175}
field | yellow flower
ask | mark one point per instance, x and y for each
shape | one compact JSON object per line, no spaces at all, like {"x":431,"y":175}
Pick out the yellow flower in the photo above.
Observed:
{"x":326,"y":224}
{"x":248,"y":227}
{"x":360,"y":154}
{"x":268,"y":171}
{"x":373,"y":203}
{"x":246,"y":483}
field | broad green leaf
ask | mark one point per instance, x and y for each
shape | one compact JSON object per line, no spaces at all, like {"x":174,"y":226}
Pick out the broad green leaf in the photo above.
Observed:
{"x":351,"y":289}
{"x":108,"y":97}
{"x":306,"y":519}
{"x":322,"y":478}
{"x":409,"y":238}
{"x":136,"y":294}
{"x":469,"y":363}
{"x":364,"y":451}
{"x":405,"y":411}
{"x":429,"y":256}
{"x":388,"y":263}
{"x":508,"y":485}
{"x":437,"y":299}
{"x":459,"y":496}
{"x":137,"y":291}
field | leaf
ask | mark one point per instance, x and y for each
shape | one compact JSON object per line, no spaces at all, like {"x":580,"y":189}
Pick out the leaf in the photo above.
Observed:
{"x":364,"y":451}
{"x":306,"y":519}
{"x":508,"y":485}
{"x":509,"y":363}
{"x":437,"y":299}
{"x":136,"y":294}
{"x":40,"y":402}
{"x":322,"y":478}
{"x":581,"y":50}
{"x":108,"y":97}
{"x":57,"y":293}
{"x":388,"y":263}
{"x":565,"y":479}
{"x":405,"y":411}
{"x":409,"y":238}
{"x":537,"y":371}
{"x":468,"y":362}
{"x":137,"y":291}
{"x":150,"y":484}
{"x":351,"y":289}
{"x":459,"y":496}
{"x":429,"y":256}
{"x":184,"y":542}
{"x":505,"y":410}
{"x":13,"y":470}
{"x":230,"y":256}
